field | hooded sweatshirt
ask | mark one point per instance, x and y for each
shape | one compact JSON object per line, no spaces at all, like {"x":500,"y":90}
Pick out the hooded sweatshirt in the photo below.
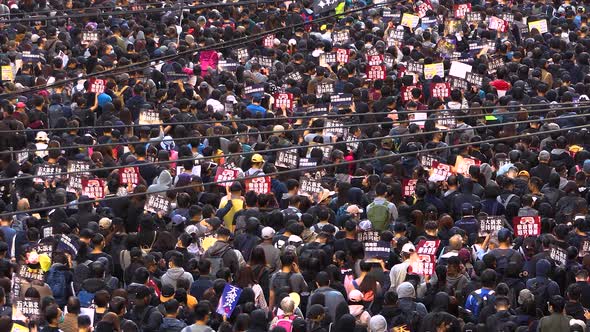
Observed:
{"x":174,"y":274}
{"x":223,"y":249}
{"x":172,"y":325}
{"x":162,"y":183}
{"x":542,"y":269}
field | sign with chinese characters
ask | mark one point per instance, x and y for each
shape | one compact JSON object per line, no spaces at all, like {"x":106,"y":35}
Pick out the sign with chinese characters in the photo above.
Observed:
{"x":269,"y":41}
{"x":149,"y":117}
{"x":462,"y":165}
{"x":97,"y":85}
{"x":89,"y":37}
{"x":74,"y":184}
{"x":368,"y":236}
{"x":341,"y":99}
{"x":427,"y":160}
{"x":93,"y":188}
{"x":474,"y":79}
{"x":409,"y":20}
{"x":490,"y":224}
{"x":426,"y":247}
{"x":473,"y":16}
{"x":228,"y":65}
{"x":46,"y":172}
{"x":228,"y":300}
{"x":423,"y":265}
{"x":265,"y":61}
{"x":440,"y":90}
{"x":461,"y":10}
{"x":324,"y":88}
{"x":376,"y":72}
{"x":540,"y":25}
{"x":288,"y":159}
{"x":409,"y":186}
{"x":415,"y":67}
{"x":261,"y":185}
{"x":327,"y":59}
{"x":309,"y":185}
{"x":7,"y":73}
{"x":496,"y":23}
{"x":558,"y":255}
{"x":284,"y":100}
{"x":434,"y":69}
{"x":375,"y":60}
{"x":242,"y":54}
{"x":407,"y":92}
{"x":340,"y":37}
{"x":342,"y":55}
{"x":157,"y":203}
{"x":68,"y":245}
{"x":422,"y":8}
{"x":26,"y":308}
{"x":379,"y":249}
{"x":335,"y":127}
{"x":295,"y":76}
{"x":250,"y":90}
{"x":225,"y":176}
{"x":28,"y":274}
{"x":458,"y":83}
{"x":527,"y":226}
{"x":494,"y":64}
{"x":129,"y":175}
{"x":439,"y":172}
{"x":79,"y":167}
{"x":584,"y":248}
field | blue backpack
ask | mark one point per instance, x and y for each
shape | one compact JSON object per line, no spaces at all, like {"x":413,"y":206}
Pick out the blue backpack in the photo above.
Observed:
{"x":56,"y":279}
{"x":86,"y":298}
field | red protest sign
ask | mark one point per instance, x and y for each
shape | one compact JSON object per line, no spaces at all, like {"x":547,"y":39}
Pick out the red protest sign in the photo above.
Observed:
{"x":269,"y":41}
{"x":407,"y":92}
{"x":93,"y":188}
{"x":422,"y":8}
{"x":409,"y":186}
{"x":284,"y":99}
{"x":440,"y":90}
{"x":129,"y":175}
{"x":461,"y":10}
{"x":440,"y":172}
{"x":462,"y":165}
{"x":342,"y":55}
{"x":375,"y":60}
{"x":225,"y":176}
{"x":527,"y":226}
{"x":376,"y":72}
{"x":426,"y":247}
{"x":97,"y":85}
{"x":423,"y":264}
{"x":258,"y":185}
{"x":496,"y":23}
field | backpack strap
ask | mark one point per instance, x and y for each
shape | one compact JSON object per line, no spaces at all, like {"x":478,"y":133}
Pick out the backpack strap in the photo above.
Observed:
{"x":355,"y":284}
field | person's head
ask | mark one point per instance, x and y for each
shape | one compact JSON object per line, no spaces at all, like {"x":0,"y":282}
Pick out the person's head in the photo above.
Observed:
{"x":73,"y":305}
{"x":288,"y":258}
{"x":488,"y":278}
{"x":322,"y":279}
{"x":52,"y":314}
{"x":202,"y":312}
{"x":288,"y":306}
{"x":171,"y":308}
{"x":502,"y":303}
{"x":556,"y":304}
{"x":223,"y":234}
{"x":582,"y":275}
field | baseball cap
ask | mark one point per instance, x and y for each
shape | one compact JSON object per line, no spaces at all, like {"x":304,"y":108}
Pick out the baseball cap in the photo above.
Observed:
{"x":256,"y":158}
{"x":177,"y":219}
{"x":167,"y":293}
{"x":42,"y":136}
{"x":105,"y":223}
{"x":20,"y":104}
{"x":365,"y":225}
{"x":268,"y":233}
{"x":524,"y":173}
{"x":191,"y":229}
{"x":408,"y":248}
{"x":503,"y":235}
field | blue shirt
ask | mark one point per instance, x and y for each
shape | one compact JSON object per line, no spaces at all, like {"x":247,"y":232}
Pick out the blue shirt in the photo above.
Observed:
{"x":256,"y":109}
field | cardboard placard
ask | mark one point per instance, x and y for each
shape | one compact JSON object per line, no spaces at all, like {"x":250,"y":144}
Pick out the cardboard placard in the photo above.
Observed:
{"x":439,"y":172}
{"x":490,"y":224}
{"x":341,"y":100}
{"x":261,"y":185}
{"x":462,"y":165}
{"x":28,"y":274}
{"x":157,"y":203}
{"x":461,"y":10}
{"x":284,"y":100}
{"x":225,"y":176}
{"x":558,"y":255}
{"x":427,"y":247}
{"x":342,"y":55}
{"x":310,"y":185}
{"x":415,"y":67}
{"x":265,"y":61}
{"x":445,"y":119}
{"x":434,"y":69}
{"x":459,"y":69}
{"x":440,"y":90}
{"x":129,"y":175}
{"x":409,"y":186}
{"x":527,"y":226}
{"x":74,"y":184}
{"x":46,"y":172}
{"x":251,"y":90}
{"x":295,"y":75}
{"x":93,"y":188}
{"x":288,"y":159}
{"x":376,"y":72}
{"x":68,"y":245}
{"x":149,"y":117}
{"x":307,"y":162}
{"x":540,"y":25}
{"x":494,"y":64}
{"x":97,"y":85}
{"x":269,"y":41}
{"x":410,"y":21}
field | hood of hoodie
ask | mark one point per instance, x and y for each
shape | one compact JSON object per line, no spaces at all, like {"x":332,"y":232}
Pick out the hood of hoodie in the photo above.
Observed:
{"x":168,"y":322}
{"x":165,"y":179}
{"x":542,"y":268}
{"x":175,"y":273}
{"x":217,"y":248}
{"x":93,"y":285}
{"x":356,"y":309}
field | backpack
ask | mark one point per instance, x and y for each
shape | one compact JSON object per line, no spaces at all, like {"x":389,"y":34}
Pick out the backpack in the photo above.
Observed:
{"x":342,"y":211}
{"x":282,"y":281}
{"x":379,"y":215}
{"x":86,"y":298}
{"x":482,"y":301}
{"x":367,"y":296}
{"x":503,"y":261}
{"x":541,"y":293}
{"x":411,"y":317}
{"x":54,"y":113}
{"x":217,"y":262}
{"x":505,"y":203}
{"x":81,"y":273}
{"x":56,"y":279}
{"x":285,"y":322}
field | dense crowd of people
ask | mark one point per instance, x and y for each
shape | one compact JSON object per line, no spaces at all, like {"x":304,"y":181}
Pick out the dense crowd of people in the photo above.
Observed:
{"x":298,"y":166}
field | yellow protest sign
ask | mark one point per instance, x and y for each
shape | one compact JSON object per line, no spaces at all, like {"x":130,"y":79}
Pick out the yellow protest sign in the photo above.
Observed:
{"x":7,"y":73}
{"x":410,"y":21}
{"x":539,"y":25}
{"x":434,"y":69}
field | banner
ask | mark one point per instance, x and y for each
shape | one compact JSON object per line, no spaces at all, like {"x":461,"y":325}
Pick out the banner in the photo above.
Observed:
{"x":490,"y":224}
{"x":434,"y":69}
{"x":284,"y":100}
{"x":541,"y":26}
{"x":96,"y":85}
{"x":376,"y":72}
{"x":157,"y":203}
{"x":461,"y":10}
{"x":228,"y":300}
{"x":409,"y":186}
{"x":149,"y":117}
{"x":261,"y":185}
{"x":410,"y":21}
{"x":462,"y":165}
{"x":427,"y":247}
{"x":440,"y":90}
{"x":288,"y":159}
{"x":527,"y":226}
{"x":129,"y":175}
{"x":439,"y":172}
{"x":225,"y":176}
{"x":93,"y":188}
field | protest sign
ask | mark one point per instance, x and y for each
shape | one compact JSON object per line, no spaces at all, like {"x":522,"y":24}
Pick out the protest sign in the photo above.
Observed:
{"x":379,"y":249}
{"x":427,"y":247}
{"x":46,"y":172}
{"x":406,"y":92}
{"x":327,"y":59}
{"x":434,"y":69}
{"x":340,"y":37}
{"x":309,"y":185}
{"x":28,"y":274}
{"x":376,"y":72}
{"x":368,"y":236}
{"x":473,"y":17}
{"x":423,"y":265}
{"x":295,"y":76}
{"x":26,"y":309}
{"x":439,"y":172}
{"x":261,"y":185}
{"x":93,"y":188}
{"x":149,"y":117}
{"x":342,"y":55}
{"x":440,"y":90}
{"x":173,"y":77}
{"x":68,"y":245}
{"x":225,"y":176}
{"x":7,"y":73}
{"x":428,"y":23}
{"x":584,"y":248}
{"x":426,"y":160}
{"x":527,"y":226}
{"x":89,"y":37}
{"x":422,"y":8}
{"x":242,"y":54}
{"x":79,"y":167}
{"x":228,"y":65}
{"x":324,"y":88}
{"x":97,"y":85}
{"x":307,"y":162}
{"x":375,"y":60}
{"x":415,"y":67}
{"x":129,"y":175}
{"x":322,"y":6}
{"x":251,"y":90}
{"x":474,"y":79}
{"x":341,"y":100}
{"x":157,"y":203}
{"x":558,"y":255}
{"x":335,"y":127}
{"x":269,"y":41}
{"x":490,"y":224}
{"x":409,"y":186}
{"x":74,"y":184}
{"x":265,"y":61}
{"x":461,"y":9}
{"x":283,"y":100}
{"x":228,"y":300}
{"x":462,"y":165}
{"x":459,"y":69}
{"x":409,"y":20}
{"x":445,"y":119}
{"x":288,"y":159}
{"x":494,"y":64}
{"x":496,"y":23}
{"x":458,"y":83}
{"x":540,"y":25}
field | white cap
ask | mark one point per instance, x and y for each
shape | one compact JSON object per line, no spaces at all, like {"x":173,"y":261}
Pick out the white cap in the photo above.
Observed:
{"x":105,"y":223}
{"x":35,"y":38}
{"x":42,"y":136}
{"x":268,"y":233}
{"x":191,"y":229}
{"x":365,"y":225}
{"x":294,"y":239}
{"x":408,"y":248}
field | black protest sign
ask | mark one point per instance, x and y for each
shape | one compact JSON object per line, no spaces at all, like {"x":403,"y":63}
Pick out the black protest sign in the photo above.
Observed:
{"x":309,"y":185}
{"x":584,"y":248}
{"x":318,"y":109}
{"x":288,"y":159}
{"x":228,"y":65}
{"x":29,"y":57}
{"x":341,"y":100}
{"x":474,"y":79}
{"x":295,"y":75}
{"x":307,"y":162}
{"x":79,"y":167}
{"x":28,"y":274}
{"x":242,"y":54}
{"x":250,"y":90}
{"x":89,"y":37}
{"x":324,"y":88}
{"x":335,"y":128}
{"x":427,"y":160}
{"x":26,"y":308}
{"x":327,"y":59}
{"x":494,"y":64}
{"x":341,"y":37}
{"x":415,"y":67}
{"x":265,"y":61}
{"x":458,"y":83}
{"x":379,"y":249}
{"x":157,"y":203}
{"x":558,"y":255}
{"x":68,"y":245}
{"x":490,"y":224}
{"x":46,"y":172}
{"x":172,"y":76}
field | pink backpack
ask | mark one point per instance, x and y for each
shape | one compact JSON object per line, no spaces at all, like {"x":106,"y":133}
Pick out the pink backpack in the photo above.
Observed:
{"x":285,"y":322}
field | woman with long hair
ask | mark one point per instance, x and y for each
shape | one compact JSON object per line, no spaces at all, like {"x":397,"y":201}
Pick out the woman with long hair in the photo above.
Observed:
{"x":246,"y":279}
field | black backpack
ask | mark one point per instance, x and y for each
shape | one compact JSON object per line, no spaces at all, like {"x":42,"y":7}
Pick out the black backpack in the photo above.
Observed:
{"x":541,"y":292}
{"x":283,"y":281}
{"x":411,"y":317}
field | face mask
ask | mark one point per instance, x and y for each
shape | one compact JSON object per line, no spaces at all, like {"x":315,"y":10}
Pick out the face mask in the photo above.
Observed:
{"x":62,"y":318}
